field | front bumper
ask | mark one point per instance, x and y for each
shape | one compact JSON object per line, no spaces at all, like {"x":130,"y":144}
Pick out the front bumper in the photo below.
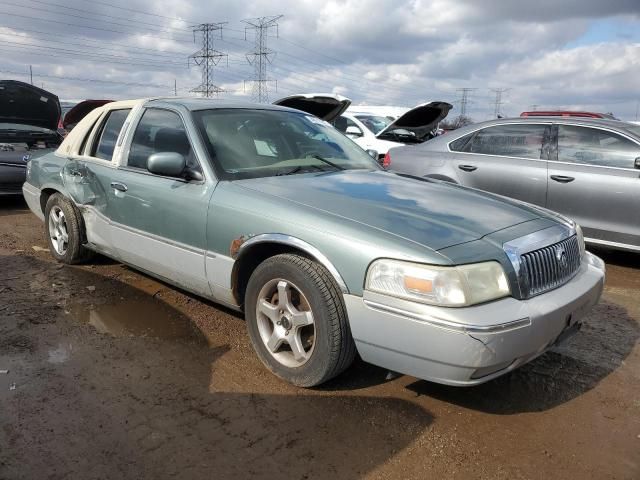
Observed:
{"x":468,"y":346}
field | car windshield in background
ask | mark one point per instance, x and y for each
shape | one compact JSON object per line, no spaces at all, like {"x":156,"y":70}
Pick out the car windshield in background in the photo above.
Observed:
{"x":245,"y":143}
{"x":375,"y":123}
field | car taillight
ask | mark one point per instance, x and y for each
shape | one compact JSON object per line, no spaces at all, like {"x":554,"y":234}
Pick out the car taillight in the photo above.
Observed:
{"x":386,"y":161}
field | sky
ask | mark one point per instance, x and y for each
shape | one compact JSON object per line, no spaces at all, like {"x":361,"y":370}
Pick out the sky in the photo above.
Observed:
{"x":543,"y":54}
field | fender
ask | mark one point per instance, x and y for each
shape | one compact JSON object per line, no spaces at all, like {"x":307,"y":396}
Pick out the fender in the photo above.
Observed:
{"x":297,"y":243}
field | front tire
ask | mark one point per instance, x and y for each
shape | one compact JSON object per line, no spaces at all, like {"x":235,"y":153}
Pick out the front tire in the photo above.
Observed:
{"x":297,"y":321}
{"x":64,"y":228}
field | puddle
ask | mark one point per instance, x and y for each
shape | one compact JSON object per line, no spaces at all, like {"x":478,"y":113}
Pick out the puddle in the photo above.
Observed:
{"x":141,"y":317}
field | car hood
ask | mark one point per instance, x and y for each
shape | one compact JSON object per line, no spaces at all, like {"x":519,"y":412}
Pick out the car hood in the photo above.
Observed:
{"x":420,"y":120}
{"x":25,"y":104}
{"x":434,"y":214}
{"x":79,"y":111}
{"x":326,"y":106}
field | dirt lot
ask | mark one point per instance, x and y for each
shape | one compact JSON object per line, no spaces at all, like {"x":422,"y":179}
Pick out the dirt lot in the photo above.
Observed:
{"x":114,"y":375}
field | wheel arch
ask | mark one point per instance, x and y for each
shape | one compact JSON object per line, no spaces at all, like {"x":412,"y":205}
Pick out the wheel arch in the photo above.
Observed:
{"x":255,"y":250}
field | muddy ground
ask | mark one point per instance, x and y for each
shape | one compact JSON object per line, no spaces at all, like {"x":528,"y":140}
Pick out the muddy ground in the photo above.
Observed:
{"x":114,"y":375}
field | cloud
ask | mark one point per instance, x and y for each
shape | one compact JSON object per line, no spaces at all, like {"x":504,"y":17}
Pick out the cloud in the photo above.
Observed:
{"x":374,"y":51}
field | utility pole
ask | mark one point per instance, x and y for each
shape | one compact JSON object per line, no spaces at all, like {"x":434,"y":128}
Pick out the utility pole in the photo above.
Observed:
{"x":31,"y":74}
{"x":464,"y":99}
{"x":261,"y":55}
{"x":175,"y":87}
{"x":637,"y":108}
{"x":207,"y":57}
{"x":498,"y":101}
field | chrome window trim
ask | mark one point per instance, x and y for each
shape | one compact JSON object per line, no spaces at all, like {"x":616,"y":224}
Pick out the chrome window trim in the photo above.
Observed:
{"x":534,"y":241}
{"x":300,"y":244}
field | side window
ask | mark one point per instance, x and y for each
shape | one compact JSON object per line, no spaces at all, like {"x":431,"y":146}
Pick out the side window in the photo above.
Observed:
{"x":105,"y":141}
{"x":342,"y":123}
{"x":593,"y":146}
{"x":524,"y":141}
{"x":460,"y":144}
{"x":160,"y":131}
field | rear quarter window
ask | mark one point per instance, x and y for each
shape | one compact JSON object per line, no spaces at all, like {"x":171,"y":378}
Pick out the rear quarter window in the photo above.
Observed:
{"x":105,"y":142}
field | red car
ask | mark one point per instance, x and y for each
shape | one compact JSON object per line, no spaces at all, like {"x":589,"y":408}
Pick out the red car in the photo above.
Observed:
{"x":566,"y":113}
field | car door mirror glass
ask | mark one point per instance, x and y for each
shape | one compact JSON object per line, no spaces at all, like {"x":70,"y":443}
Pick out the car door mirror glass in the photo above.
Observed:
{"x":353,"y":131}
{"x":167,"y":164}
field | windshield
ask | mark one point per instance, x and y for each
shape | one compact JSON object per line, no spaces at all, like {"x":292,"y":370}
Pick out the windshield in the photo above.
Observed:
{"x":375,"y":123}
{"x":245,"y":143}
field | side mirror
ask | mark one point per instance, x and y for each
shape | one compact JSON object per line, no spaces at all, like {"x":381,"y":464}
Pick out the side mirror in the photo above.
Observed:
{"x":167,"y":164}
{"x":353,"y":131}
{"x":373,"y":153}
{"x":636,"y":163}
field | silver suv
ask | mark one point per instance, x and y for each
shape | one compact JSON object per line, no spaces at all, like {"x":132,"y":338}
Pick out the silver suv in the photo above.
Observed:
{"x":587,"y":169}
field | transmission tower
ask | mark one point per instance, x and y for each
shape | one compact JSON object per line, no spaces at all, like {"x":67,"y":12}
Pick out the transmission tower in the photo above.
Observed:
{"x":208,"y":57}
{"x":498,"y":101}
{"x":261,"y":56}
{"x":464,"y":99}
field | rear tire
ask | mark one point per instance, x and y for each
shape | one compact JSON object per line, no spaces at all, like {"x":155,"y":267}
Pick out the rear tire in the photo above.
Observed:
{"x":65,"y":231}
{"x":305,"y":337}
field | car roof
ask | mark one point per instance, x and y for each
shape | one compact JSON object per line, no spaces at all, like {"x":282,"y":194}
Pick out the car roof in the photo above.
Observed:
{"x":582,"y":121}
{"x":199,"y":103}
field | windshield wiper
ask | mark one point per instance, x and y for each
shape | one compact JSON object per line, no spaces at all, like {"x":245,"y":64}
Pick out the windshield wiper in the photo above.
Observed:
{"x":297,"y":169}
{"x":324,"y":160}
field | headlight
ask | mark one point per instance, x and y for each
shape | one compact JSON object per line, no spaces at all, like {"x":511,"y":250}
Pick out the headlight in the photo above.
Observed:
{"x":458,"y":286}
{"x":580,"y":236}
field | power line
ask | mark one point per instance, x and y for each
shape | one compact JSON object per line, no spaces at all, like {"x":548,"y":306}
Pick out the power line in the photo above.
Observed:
{"x":261,"y":55}
{"x":80,"y":79}
{"x":208,"y":57}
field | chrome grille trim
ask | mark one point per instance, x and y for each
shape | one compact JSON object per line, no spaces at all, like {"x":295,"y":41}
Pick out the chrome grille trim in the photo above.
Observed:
{"x":549,"y":267}
{"x":536,"y":270}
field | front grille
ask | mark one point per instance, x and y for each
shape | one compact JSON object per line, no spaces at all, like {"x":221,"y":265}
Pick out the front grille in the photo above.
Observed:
{"x":549,"y":267}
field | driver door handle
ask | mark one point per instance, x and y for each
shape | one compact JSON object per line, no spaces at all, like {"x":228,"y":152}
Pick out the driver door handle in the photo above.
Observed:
{"x":121,"y":187}
{"x":467,"y":168}
{"x":562,"y":178}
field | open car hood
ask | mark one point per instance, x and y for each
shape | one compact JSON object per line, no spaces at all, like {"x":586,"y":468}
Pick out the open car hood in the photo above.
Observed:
{"x":79,"y":111}
{"x":326,"y":106}
{"x":419,"y":121}
{"x":25,"y":104}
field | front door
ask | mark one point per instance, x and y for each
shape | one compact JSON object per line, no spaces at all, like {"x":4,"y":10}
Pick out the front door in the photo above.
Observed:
{"x":505,"y":159}
{"x":595,"y":183}
{"x":158,"y":222}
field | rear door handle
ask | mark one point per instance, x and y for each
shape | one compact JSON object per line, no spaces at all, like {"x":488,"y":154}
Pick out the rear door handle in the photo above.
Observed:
{"x":467,"y":168}
{"x":562,"y":178}
{"x":121,"y":187}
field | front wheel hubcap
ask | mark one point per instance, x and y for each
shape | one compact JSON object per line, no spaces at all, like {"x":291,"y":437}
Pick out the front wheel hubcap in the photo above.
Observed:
{"x":58,"y":232}
{"x":285,"y":322}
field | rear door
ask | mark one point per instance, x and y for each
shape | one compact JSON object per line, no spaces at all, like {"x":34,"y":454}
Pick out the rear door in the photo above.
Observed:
{"x":593,"y":180}
{"x":158,"y":222}
{"x":507,"y":159}
{"x":88,"y":172}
